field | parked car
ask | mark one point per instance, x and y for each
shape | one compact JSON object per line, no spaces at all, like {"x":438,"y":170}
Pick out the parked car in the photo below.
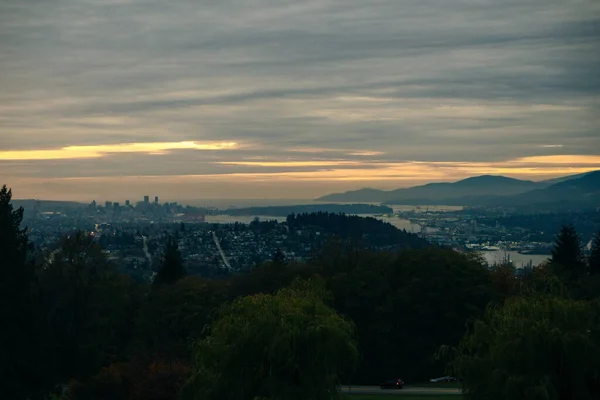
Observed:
{"x":444,"y":379}
{"x":392,"y":384}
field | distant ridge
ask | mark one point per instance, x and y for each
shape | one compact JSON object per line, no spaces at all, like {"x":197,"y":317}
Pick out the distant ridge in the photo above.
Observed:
{"x":569,"y":192}
{"x":566,"y":178}
{"x":582,"y":192}
{"x":433,"y":192}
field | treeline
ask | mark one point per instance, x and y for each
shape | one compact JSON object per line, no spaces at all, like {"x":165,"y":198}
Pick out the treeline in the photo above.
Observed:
{"x":282,"y":211}
{"x":73,"y":326}
{"x":367,"y":231}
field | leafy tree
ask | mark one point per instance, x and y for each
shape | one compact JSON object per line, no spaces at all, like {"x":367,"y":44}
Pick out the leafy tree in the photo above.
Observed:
{"x":289,"y":345}
{"x":595,"y":256}
{"x":567,"y":255}
{"x":171,"y":268}
{"x":20,"y":372}
{"x":533,"y":347}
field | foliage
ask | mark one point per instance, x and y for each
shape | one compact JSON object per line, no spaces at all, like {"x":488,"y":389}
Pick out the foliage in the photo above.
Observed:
{"x":369,"y":231}
{"x":88,"y":308}
{"x":503,"y":279}
{"x":279,"y":258}
{"x":268,"y":278}
{"x":379,"y":396}
{"x":171,"y":267}
{"x":399,"y":302}
{"x":289,"y":345}
{"x":172,"y":315}
{"x":567,"y":255}
{"x":20,"y":371}
{"x":161,"y":381}
{"x":132,"y":381}
{"x":275,"y":332}
{"x":533,"y":347}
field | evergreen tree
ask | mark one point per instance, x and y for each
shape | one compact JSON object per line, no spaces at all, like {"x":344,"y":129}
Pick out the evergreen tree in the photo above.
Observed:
{"x":171,"y":268}
{"x":595,"y":256}
{"x":278,"y":258}
{"x":567,"y":254}
{"x":19,"y":372}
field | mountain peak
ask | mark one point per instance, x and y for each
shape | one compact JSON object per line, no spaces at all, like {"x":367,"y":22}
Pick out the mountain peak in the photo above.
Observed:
{"x":491,"y":180}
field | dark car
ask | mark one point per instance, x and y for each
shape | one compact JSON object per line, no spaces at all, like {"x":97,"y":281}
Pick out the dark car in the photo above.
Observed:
{"x":393,"y":384}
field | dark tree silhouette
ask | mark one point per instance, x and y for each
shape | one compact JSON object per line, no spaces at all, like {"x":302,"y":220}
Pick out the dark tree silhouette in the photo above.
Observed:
{"x":171,"y":268}
{"x":595,"y":256}
{"x":278,"y":257}
{"x":567,"y":255}
{"x":19,"y":374}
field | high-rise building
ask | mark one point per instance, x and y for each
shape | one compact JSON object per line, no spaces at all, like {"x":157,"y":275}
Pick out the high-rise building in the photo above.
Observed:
{"x":155,"y":199}
{"x":127,"y":203}
{"x":146,"y":199}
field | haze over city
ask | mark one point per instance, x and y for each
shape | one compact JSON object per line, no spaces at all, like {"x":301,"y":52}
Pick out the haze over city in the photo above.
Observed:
{"x":262,"y":99}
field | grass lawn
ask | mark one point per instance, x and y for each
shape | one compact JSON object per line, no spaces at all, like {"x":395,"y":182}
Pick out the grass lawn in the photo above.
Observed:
{"x":401,"y":397}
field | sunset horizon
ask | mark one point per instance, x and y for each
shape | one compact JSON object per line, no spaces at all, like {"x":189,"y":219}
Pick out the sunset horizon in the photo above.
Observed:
{"x":120,"y":98}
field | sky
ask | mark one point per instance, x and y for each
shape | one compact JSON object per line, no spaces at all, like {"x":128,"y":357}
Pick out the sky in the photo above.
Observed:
{"x":193,"y":99}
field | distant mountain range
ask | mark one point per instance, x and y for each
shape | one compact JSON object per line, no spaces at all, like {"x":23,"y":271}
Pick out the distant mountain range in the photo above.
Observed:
{"x":575,"y":191}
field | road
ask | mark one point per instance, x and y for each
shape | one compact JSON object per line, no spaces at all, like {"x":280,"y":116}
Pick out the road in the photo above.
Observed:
{"x":408,"y":390}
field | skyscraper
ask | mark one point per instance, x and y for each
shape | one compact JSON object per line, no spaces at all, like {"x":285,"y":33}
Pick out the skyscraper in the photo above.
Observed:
{"x":155,"y":199}
{"x":146,"y":199}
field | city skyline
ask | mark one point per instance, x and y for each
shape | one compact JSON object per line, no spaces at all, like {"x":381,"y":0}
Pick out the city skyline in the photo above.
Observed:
{"x":292,"y":100}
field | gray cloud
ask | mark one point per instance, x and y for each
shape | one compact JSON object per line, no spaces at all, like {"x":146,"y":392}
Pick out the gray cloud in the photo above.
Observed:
{"x":441,"y":80}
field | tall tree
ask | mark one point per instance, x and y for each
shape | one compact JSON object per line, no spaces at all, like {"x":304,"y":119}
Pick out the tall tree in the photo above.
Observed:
{"x":290,"y":345}
{"x":567,"y":255}
{"x":19,"y":376}
{"x":595,"y":256}
{"x":171,"y":268}
{"x":278,"y":258}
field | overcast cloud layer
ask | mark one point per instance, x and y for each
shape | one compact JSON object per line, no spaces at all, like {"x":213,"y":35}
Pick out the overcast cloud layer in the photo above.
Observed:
{"x":257,"y":98}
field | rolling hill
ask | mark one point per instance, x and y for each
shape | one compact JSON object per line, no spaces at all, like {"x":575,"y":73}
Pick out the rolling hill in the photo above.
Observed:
{"x":432,"y":193}
{"x":486,"y":190}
